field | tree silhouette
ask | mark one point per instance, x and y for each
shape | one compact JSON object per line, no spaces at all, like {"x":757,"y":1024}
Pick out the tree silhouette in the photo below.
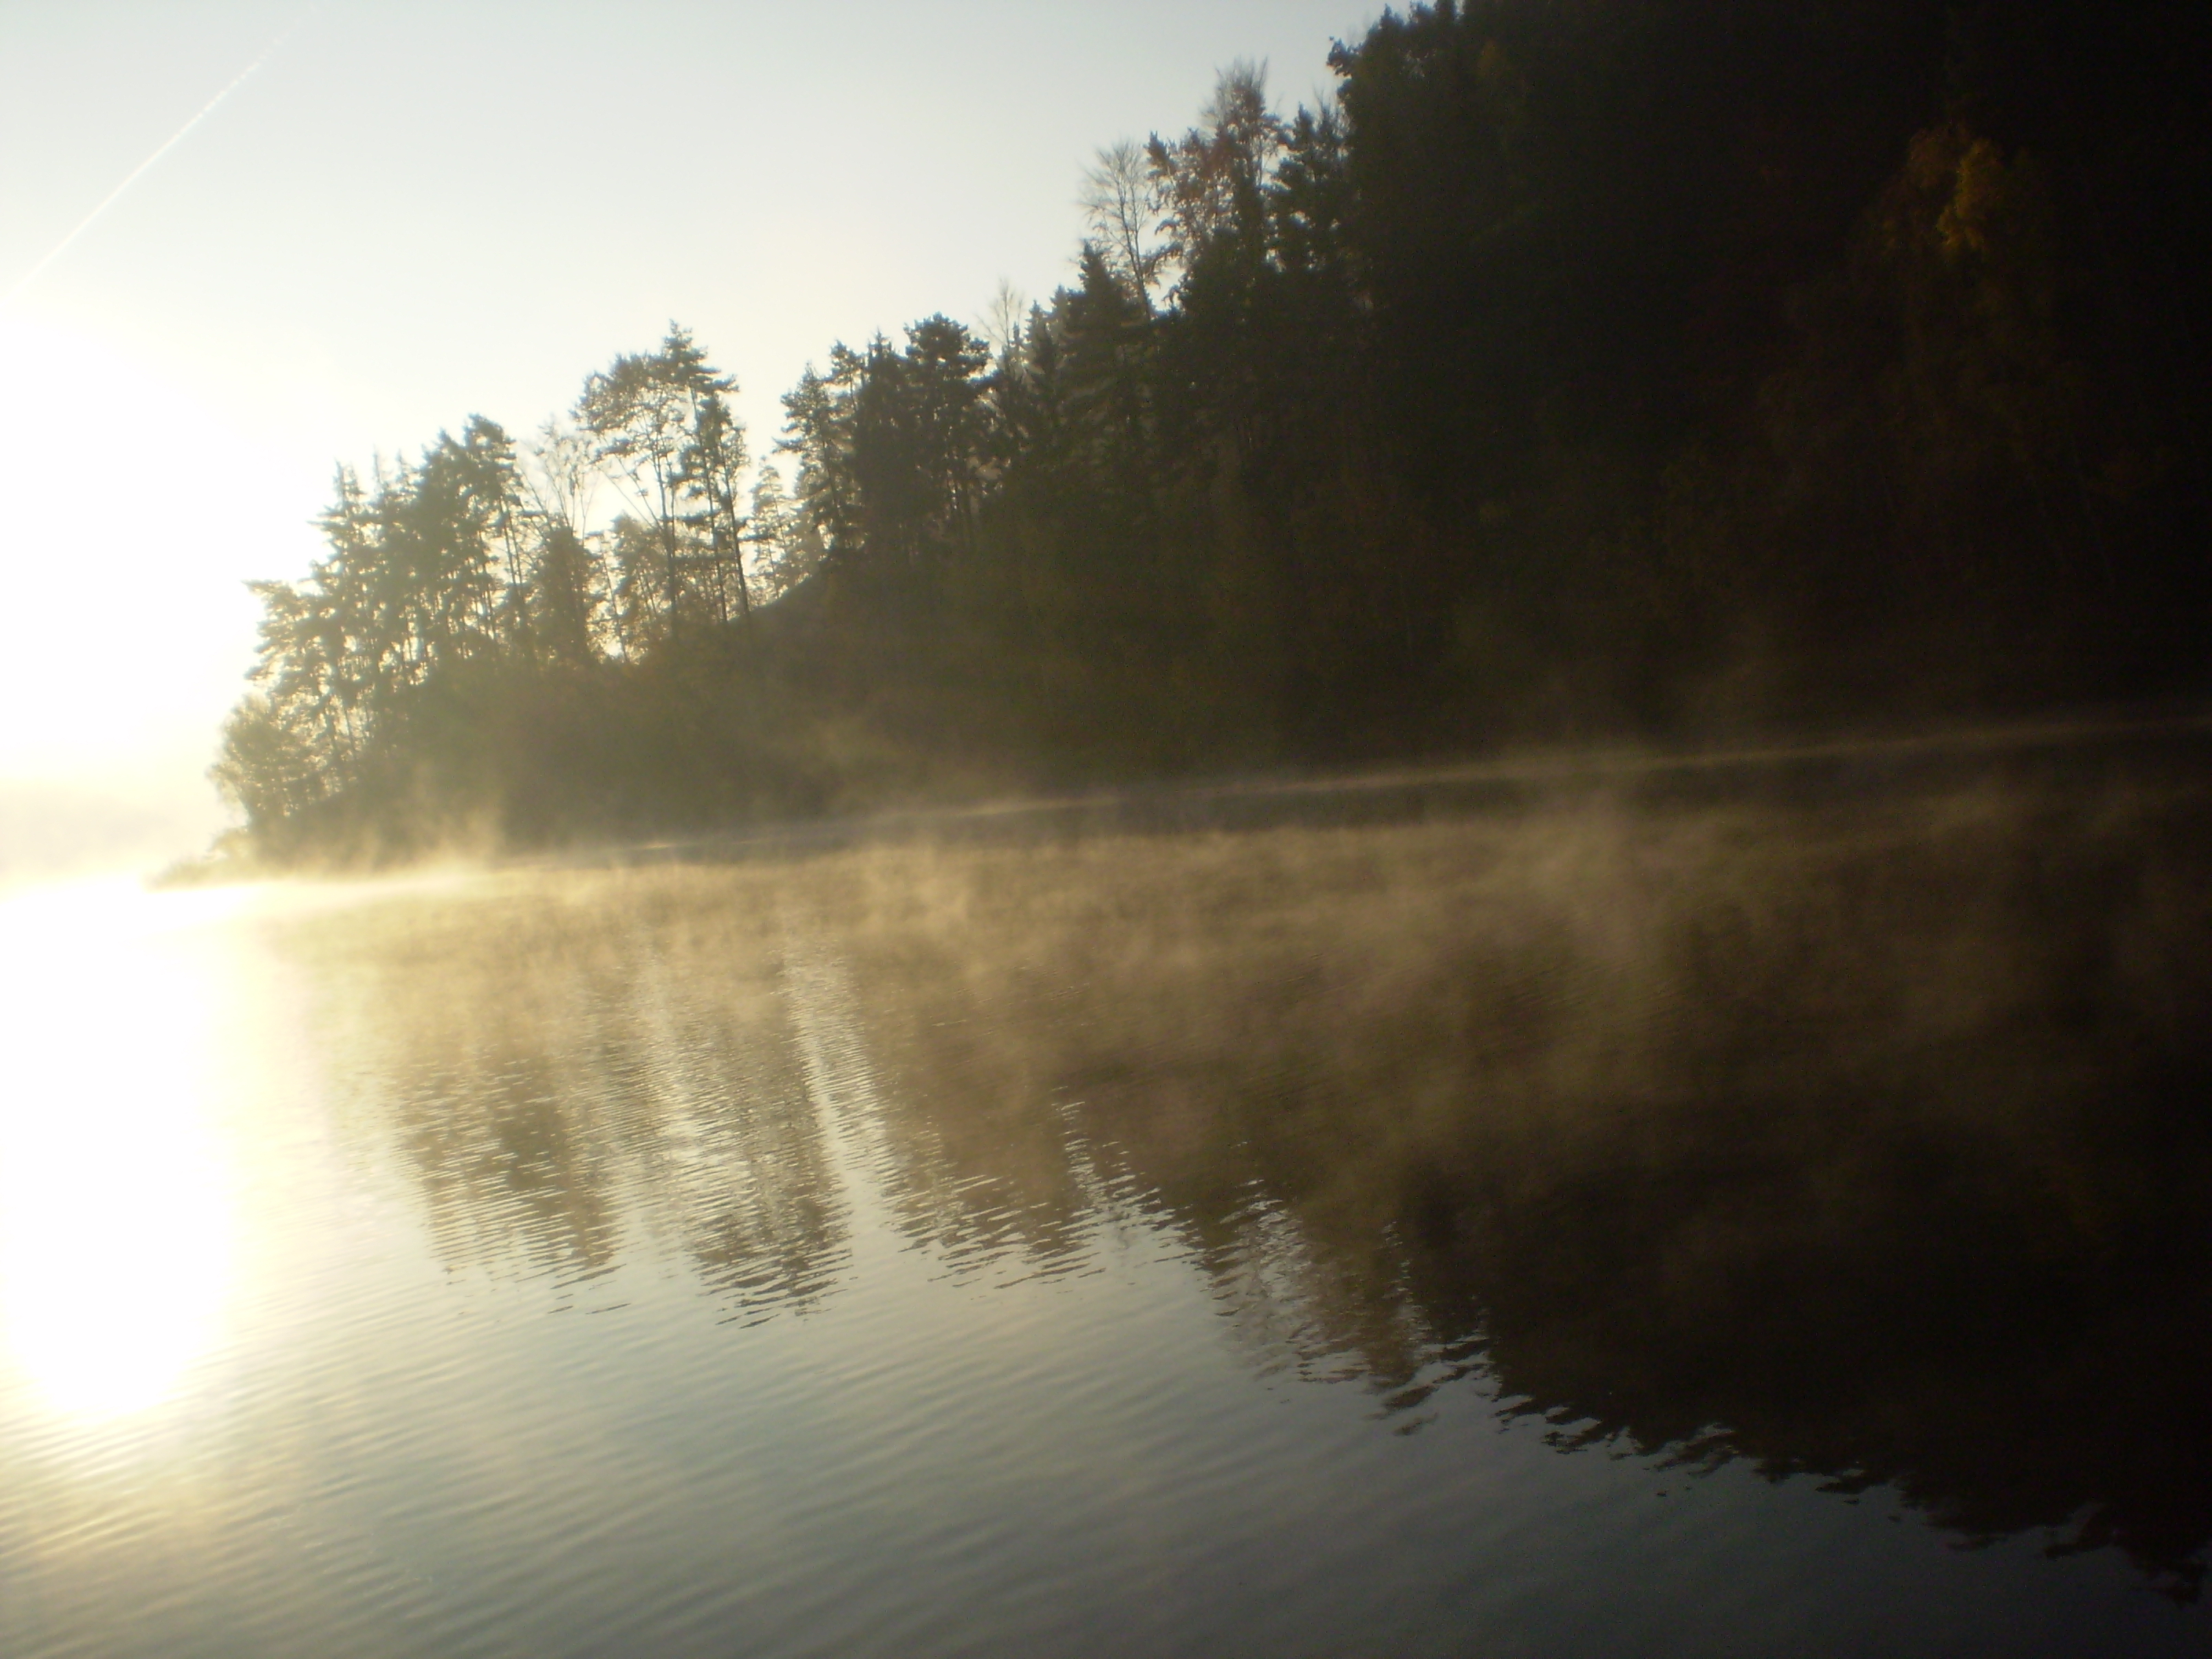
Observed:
{"x":1658,"y":368}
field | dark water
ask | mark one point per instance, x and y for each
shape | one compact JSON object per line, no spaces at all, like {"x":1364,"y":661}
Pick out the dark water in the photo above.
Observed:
{"x":1621,"y":1220}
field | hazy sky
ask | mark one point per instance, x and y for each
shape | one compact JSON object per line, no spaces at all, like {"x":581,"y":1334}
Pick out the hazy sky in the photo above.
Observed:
{"x":410,"y":212}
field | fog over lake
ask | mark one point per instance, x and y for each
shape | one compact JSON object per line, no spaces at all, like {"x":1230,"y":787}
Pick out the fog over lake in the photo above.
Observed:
{"x":1753,"y":1210}
{"x":1279,"y":829}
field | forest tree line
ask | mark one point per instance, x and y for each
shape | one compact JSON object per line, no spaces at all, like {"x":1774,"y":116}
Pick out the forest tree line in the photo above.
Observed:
{"x":1635,"y":368}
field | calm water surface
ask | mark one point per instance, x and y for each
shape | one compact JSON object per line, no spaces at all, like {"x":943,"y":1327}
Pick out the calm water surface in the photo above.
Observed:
{"x":1601,"y":1224}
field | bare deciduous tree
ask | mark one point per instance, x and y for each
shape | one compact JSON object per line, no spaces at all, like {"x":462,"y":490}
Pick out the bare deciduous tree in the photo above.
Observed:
{"x":1121,"y":203}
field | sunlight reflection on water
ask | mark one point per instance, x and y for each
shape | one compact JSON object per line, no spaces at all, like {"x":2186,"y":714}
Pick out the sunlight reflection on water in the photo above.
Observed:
{"x":116,"y":1186}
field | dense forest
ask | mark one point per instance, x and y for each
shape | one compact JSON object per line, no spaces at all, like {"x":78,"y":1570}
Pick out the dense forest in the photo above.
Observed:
{"x":1672,"y":369}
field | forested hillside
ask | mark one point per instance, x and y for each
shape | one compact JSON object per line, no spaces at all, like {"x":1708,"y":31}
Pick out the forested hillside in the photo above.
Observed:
{"x":1675,"y":368}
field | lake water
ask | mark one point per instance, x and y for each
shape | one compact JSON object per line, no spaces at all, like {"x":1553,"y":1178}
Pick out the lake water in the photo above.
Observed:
{"x":1617,"y":1217}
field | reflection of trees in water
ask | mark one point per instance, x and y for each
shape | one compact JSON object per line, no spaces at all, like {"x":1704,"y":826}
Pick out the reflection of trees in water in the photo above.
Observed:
{"x":555,"y":1073}
{"x":1864,"y":1138}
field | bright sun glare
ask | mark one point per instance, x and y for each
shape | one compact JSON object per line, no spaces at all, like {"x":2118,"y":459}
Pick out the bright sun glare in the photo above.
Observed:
{"x":115,"y":1198}
{"x":130,"y":498}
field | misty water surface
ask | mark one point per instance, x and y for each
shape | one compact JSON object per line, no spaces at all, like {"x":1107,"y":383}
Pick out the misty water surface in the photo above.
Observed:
{"x":1662,"y":1218}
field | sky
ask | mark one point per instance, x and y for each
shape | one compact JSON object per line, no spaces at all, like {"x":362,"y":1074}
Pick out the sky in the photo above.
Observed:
{"x":409,"y":211}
